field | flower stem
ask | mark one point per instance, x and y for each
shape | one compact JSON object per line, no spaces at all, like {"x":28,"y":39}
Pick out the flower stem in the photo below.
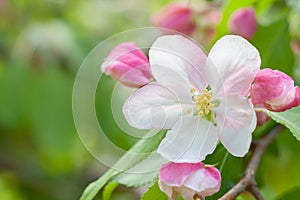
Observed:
{"x":248,"y":181}
{"x":224,"y":161}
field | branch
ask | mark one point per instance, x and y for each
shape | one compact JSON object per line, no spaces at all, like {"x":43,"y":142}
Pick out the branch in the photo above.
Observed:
{"x":248,"y":183}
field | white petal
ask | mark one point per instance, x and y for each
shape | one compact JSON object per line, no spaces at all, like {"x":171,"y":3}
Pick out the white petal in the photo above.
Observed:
{"x":186,"y":193}
{"x":154,"y":106}
{"x":168,"y":190}
{"x":178,"y":63}
{"x":232,"y":65}
{"x":190,"y":140}
{"x":236,"y":120}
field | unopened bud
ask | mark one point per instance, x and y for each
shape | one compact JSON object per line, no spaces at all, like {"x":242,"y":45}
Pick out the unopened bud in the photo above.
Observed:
{"x":243,"y":22}
{"x":274,"y":90}
{"x":175,"y":17}
{"x":128,"y":64}
{"x":188,"y":180}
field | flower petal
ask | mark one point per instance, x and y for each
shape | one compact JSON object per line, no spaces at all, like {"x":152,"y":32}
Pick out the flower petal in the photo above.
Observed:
{"x":206,"y":181}
{"x":176,"y":56}
{"x":129,"y":76}
{"x":236,"y":120}
{"x":167,"y":189}
{"x":153,"y":106}
{"x":175,"y":174}
{"x":190,"y":140}
{"x":232,"y":65}
{"x":270,"y":84}
{"x":128,"y":64}
{"x":186,"y":193}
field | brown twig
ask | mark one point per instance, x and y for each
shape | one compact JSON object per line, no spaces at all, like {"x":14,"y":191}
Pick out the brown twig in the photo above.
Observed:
{"x":248,"y":183}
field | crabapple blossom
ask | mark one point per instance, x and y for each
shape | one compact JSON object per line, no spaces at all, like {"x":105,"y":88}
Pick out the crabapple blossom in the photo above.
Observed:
{"x":274,"y":90}
{"x":188,"y":180}
{"x":128,"y":64}
{"x":176,"y":17}
{"x":243,"y":22}
{"x":199,"y":99}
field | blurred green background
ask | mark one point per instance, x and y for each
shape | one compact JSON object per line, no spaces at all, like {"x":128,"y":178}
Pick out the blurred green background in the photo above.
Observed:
{"x":42,"y":44}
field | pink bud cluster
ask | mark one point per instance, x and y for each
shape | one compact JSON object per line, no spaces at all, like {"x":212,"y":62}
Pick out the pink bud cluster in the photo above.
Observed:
{"x":185,"y":19}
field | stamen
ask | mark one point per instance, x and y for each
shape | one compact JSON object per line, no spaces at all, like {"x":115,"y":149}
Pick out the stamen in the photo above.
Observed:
{"x":202,"y":101}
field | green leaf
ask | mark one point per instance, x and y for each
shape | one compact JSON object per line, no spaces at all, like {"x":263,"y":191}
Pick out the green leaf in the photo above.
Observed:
{"x":289,"y":118}
{"x":93,"y":188}
{"x":263,"y":5}
{"x":273,"y":43}
{"x":136,"y":154}
{"x":143,"y":173}
{"x":136,"y":180}
{"x":291,"y":194}
{"x":109,"y":188}
{"x":154,"y":193}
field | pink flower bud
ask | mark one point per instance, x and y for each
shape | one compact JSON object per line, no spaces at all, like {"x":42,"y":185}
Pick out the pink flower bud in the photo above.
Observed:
{"x":188,"y":180}
{"x":243,"y":22}
{"x":274,"y":90}
{"x":176,"y":17}
{"x":128,"y":64}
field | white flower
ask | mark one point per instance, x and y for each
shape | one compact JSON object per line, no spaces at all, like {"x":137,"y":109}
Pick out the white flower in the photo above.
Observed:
{"x":201,"y":99}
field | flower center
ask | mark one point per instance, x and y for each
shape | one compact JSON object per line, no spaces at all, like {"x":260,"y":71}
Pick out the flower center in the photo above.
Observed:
{"x":202,"y":101}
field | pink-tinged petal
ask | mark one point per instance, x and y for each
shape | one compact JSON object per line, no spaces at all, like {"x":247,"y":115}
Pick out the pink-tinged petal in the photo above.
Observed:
{"x":210,"y":181}
{"x":190,"y":140}
{"x":128,"y":64}
{"x":270,"y":84}
{"x":168,"y":190}
{"x":274,"y":90}
{"x":236,"y":120}
{"x":282,"y":103}
{"x":153,"y":106}
{"x":132,"y":77}
{"x":176,"y":56}
{"x":188,"y":179}
{"x":175,"y":174}
{"x":232,"y":65}
{"x":126,"y":50}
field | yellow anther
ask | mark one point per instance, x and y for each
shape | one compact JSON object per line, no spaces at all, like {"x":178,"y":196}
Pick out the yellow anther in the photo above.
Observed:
{"x":200,"y":113}
{"x":193,"y":90}
{"x":202,"y":101}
